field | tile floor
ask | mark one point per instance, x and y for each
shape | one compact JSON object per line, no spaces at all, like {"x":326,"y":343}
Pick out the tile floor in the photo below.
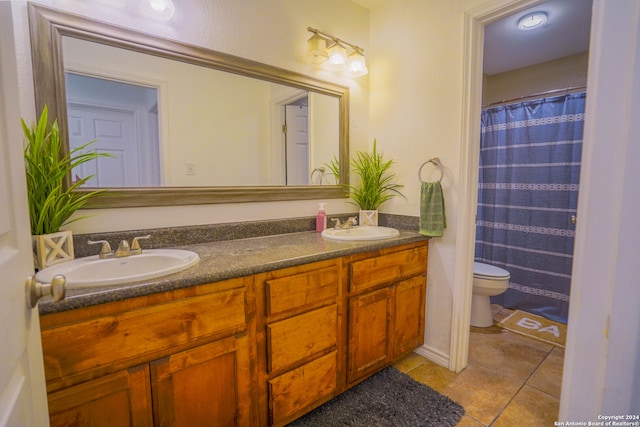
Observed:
{"x":511,"y":380}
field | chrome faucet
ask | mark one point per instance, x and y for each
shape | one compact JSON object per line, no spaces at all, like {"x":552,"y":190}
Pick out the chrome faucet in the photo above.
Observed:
{"x":123,"y":250}
{"x":349,"y":223}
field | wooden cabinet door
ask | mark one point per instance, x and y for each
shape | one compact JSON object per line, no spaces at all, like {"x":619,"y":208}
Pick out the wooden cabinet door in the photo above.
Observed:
{"x":369,"y":319}
{"x":204,"y":386}
{"x":121,"y":399}
{"x":408,"y":330}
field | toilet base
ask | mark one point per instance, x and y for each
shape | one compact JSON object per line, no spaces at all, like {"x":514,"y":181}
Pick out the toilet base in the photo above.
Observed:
{"x":481,"y":315}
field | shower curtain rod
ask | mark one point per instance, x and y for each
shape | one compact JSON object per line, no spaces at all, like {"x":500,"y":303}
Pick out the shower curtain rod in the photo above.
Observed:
{"x":535,"y":95}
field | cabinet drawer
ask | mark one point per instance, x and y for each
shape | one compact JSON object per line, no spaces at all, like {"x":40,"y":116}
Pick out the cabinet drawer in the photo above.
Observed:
{"x":95,"y":343}
{"x":302,"y":289}
{"x":293,"y":339}
{"x":302,"y":387}
{"x":387,"y":268}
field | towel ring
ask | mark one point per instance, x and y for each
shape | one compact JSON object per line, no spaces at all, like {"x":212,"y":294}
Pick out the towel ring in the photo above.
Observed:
{"x":436,"y":162}
{"x":321,"y":170}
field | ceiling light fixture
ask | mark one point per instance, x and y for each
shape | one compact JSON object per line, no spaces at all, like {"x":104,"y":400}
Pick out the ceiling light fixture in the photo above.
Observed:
{"x":159,"y":9}
{"x":335,"y":55}
{"x":532,"y":21}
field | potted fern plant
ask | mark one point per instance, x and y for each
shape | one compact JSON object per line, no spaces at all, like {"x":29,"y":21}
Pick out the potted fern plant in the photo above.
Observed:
{"x":51,"y":202}
{"x":376,"y":184}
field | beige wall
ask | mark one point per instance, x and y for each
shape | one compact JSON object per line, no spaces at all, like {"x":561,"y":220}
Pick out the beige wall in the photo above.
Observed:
{"x":273,"y":32}
{"x":199,"y":112}
{"x":416,"y":86}
{"x":570,"y":71}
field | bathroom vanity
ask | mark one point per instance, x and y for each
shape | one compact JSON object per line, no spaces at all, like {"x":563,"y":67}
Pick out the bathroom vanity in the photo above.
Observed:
{"x":296,"y":324}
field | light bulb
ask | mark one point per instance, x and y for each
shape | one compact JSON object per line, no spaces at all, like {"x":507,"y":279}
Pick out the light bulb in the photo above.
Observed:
{"x":357,"y":64}
{"x":532,"y":21}
{"x":337,"y":55}
{"x":317,"y":49}
{"x":159,"y":9}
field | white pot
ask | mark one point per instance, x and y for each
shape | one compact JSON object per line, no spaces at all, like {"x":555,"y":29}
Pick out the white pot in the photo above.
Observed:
{"x":368,"y":217}
{"x":51,"y":249}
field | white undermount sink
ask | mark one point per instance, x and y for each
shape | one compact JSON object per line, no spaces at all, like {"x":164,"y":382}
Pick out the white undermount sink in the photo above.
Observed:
{"x":361,"y":233}
{"x":92,"y":271}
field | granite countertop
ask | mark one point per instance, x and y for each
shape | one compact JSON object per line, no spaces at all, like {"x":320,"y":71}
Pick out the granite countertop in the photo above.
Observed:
{"x":229,"y":259}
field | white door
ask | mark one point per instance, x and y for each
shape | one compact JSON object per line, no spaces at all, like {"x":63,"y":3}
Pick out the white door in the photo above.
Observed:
{"x":23,"y":400}
{"x":22,"y":389}
{"x":115,"y":132}
{"x":297,"y":137}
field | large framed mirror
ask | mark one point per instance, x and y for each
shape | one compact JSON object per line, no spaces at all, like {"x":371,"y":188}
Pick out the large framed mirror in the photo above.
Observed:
{"x":184,"y":124}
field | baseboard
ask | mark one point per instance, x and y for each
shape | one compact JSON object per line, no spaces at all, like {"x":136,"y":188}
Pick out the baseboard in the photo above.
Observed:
{"x":434,"y":355}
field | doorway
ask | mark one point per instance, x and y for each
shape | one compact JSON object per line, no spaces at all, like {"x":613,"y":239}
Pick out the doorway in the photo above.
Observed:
{"x":296,"y":130}
{"x":122,"y":120}
{"x":530,"y":151}
{"x":475,"y":23}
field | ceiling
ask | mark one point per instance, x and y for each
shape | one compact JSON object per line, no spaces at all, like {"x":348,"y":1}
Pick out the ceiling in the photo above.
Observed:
{"x":566,"y":33}
{"x":507,"y":48}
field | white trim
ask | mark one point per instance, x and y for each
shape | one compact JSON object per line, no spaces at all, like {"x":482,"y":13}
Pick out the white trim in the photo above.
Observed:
{"x":434,"y":355}
{"x":115,"y":75}
{"x":277,"y":113}
{"x":474,"y":21}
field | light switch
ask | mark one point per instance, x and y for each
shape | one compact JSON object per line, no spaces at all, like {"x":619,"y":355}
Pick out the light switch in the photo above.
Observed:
{"x":191,"y":168}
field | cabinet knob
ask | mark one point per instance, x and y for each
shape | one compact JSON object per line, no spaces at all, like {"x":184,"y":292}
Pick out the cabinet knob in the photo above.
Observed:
{"x":35,"y":290}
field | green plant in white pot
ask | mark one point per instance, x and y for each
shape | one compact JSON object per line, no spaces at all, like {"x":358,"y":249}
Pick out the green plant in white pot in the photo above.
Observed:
{"x":51,"y":201}
{"x":376,"y":184}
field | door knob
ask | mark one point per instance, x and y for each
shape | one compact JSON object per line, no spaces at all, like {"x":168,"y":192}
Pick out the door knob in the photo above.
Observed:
{"x":36,"y":290}
{"x":574,"y":219}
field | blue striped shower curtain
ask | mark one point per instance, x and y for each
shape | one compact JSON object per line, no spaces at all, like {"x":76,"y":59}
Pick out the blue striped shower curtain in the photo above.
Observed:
{"x":528,"y":190}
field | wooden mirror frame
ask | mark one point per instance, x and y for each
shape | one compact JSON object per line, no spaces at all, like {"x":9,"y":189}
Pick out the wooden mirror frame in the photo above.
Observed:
{"x":48,"y":26}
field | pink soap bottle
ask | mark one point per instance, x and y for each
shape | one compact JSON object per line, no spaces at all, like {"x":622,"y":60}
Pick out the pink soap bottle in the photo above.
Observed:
{"x":321,"y":218}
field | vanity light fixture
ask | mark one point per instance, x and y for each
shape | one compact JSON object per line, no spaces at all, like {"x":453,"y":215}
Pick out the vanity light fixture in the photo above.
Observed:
{"x":532,"y":21}
{"x":325,"y":48}
{"x":159,"y":9}
{"x":317,"y":49}
{"x":337,"y":55}
{"x":357,"y":63}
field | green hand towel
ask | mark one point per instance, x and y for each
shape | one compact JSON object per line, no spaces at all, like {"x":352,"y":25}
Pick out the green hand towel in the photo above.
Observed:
{"x":432,"y":216}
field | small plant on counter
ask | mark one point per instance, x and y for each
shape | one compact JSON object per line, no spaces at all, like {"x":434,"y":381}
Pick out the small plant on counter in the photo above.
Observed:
{"x":51,"y":202}
{"x":376,"y":184}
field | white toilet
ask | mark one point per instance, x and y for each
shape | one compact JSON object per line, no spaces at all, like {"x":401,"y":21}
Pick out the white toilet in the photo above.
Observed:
{"x":488,"y":281}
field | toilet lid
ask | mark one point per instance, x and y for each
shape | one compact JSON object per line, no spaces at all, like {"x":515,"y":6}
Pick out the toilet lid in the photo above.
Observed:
{"x":489,"y":271}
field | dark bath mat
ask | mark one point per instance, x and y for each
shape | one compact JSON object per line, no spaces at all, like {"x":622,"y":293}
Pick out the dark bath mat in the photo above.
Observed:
{"x":387,"y":399}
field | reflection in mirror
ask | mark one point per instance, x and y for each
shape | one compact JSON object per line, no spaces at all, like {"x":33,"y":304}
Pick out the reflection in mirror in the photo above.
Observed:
{"x":122,"y":120}
{"x":215,"y":129}
{"x":186,"y":125}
